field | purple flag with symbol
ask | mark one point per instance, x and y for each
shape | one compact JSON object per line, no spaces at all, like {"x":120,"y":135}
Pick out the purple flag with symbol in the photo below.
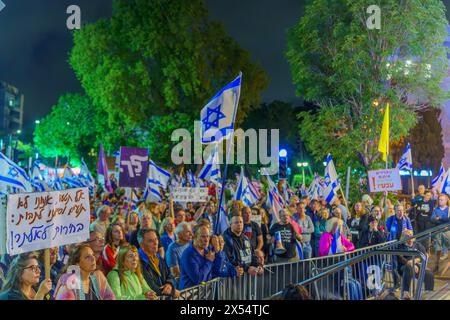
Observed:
{"x":133,"y":167}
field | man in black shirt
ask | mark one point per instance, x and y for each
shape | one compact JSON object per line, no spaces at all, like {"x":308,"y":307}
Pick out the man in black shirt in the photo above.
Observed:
{"x":424,"y":209}
{"x":288,"y":237}
{"x":251,"y":229}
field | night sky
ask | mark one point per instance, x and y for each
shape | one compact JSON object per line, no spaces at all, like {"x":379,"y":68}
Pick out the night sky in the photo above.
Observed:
{"x":34,"y":44}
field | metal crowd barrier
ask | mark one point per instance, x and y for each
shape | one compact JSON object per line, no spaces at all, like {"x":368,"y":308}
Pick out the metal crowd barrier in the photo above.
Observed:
{"x":341,"y":271}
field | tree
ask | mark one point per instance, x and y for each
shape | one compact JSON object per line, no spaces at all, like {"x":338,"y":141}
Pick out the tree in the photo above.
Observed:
{"x":73,"y":129}
{"x":156,"y":59}
{"x":351,"y":72}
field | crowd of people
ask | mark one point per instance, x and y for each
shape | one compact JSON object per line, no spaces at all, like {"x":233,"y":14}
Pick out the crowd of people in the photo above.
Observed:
{"x":152,"y":251}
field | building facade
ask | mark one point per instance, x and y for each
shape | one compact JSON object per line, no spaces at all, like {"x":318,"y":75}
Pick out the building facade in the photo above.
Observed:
{"x":11,"y":109}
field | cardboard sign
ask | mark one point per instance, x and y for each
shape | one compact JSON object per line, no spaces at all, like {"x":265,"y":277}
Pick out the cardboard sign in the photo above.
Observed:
{"x":190,"y":194}
{"x":36,"y":221}
{"x":384,"y":180}
{"x":133,"y":167}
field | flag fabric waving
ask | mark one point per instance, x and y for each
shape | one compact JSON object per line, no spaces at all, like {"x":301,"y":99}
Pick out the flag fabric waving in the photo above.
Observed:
{"x":245,"y":191}
{"x":274,"y":201}
{"x":218,"y":116}
{"x":405,"y":162}
{"x":438,"y":181}
{"x":13,"y":176}
{"x":336,"y":243}
{"x":211,"y":169}
{"x":157,"y":178}
{"x":383,"y":147}
{"x":331,"y":181}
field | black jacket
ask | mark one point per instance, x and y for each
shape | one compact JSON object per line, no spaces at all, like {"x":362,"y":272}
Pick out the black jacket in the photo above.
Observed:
{"x":371,"y":238}
{"x":239,"y":250}
{"x":12,"y":295}
{"x":155,"y":281}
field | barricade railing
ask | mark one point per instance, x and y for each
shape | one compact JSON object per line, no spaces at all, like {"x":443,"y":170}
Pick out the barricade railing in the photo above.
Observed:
{"x":277,"y":276}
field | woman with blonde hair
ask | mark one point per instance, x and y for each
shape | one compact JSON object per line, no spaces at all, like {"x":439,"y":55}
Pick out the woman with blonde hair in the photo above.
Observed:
{"x":126,"y":280}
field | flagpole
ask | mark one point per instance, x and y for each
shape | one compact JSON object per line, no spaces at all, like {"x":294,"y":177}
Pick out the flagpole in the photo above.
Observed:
{"x":412,"y":184}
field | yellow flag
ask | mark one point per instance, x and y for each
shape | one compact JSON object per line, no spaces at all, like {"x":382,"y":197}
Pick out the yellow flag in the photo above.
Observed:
{"x":383,"y":147}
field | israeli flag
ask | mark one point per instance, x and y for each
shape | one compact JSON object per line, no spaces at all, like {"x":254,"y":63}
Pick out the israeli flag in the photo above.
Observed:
{"x":437,"y":182}
{"x":219,"y":114}
{"x":211,"y":169}
{"x":336,"y":243}
{"x":274,"y":201}
{"x":330,"y":180}
{"x":13,"y":176}
{"x":86,"y":174}
{"x":445,"y":186}
{"x":245,"y":191}
{"x":57,"y":183}
{"x":405,"y":162}
{"x":157,"y":178}
{"x":222,"y":223}
{"x":37,"y":181}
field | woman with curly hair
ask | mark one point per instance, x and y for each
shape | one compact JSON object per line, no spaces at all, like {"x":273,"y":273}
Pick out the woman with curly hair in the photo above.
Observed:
{"x":126,"y":279}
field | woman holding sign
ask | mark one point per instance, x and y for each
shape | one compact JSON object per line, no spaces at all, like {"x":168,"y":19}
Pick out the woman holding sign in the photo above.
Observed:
{"x":23,"y":275}
{"x":83,"y":281}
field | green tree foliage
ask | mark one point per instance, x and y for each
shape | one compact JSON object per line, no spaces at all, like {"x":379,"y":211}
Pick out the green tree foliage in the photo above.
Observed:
{"x":351,"y":72}
{"x":72,"y":129}
{"x":154,"y":65}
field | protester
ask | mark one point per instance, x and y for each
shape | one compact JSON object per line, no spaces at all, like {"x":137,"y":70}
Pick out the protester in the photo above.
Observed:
{"x":330,"y":235}
{"x":238,"y":247}
{"x":183,"y":232}
{"x":287,"y":236}
{"x":167,"y":233}
{"x":397,"y":223}
{"x":320,"y":228}
{"x":424,"y":209}
{"x":180,"y":216}
{"x":372,"y":235}
{"x":115,"y":239}
{"x":93,"y":284}
{"x":338,"y":204}
{"x":251,"y":229}
{"x":132,"y":225}
{"x":126,"y":279}
{"x":440,"y":216}
{"x":102,"y":222}
{"x":154,"y":268}
{"x":410,"y":266}
{"x":295,"y":292}
{"x":24,"y":273}
{"x":97,"y":243}
{"x":307,"y":229}
{"x":146,"y":222}
{"x":199,"y":263}
{"x":267,"y":243}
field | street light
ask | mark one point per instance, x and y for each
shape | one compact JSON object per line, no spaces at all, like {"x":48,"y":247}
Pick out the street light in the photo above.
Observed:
{"x":283,"y":153}
{"x":19,"y":131}
{"x":37,"y":122}
{"x":303,"y":165}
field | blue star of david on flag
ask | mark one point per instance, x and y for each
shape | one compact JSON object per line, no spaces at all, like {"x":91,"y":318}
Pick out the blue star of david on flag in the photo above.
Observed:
{"x":219,"y":114}
{"x":13,"y":172}
{"x":208,"y":123}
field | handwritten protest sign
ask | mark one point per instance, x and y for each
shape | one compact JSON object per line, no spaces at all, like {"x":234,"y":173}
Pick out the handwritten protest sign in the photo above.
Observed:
{"x":190,"y":194}
{"x":37,"y":221}
{"x":384,"y":180}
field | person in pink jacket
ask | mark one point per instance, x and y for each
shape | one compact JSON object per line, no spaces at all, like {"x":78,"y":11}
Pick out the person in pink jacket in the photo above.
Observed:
{"x":342,"y":244}
{"x":89,"y":284}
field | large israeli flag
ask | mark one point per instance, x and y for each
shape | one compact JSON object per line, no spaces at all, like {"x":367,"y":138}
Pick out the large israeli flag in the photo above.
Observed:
{"x":11,"y":175}
{"x":274,"y":201}
{"x":211,"y":169}
{"x":37,"y":181}
{"x":444,"y":186}
{"x":405,"y":162}
{"x":219,"y":114}
{"x":330,"y":180}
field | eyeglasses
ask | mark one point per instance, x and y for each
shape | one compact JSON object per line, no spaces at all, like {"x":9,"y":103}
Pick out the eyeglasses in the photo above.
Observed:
{"x":35,"y":268}
{"x":97,"y":239}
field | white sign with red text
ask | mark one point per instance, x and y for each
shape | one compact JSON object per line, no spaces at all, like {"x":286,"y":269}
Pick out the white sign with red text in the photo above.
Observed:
{"x":384,"y":180}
